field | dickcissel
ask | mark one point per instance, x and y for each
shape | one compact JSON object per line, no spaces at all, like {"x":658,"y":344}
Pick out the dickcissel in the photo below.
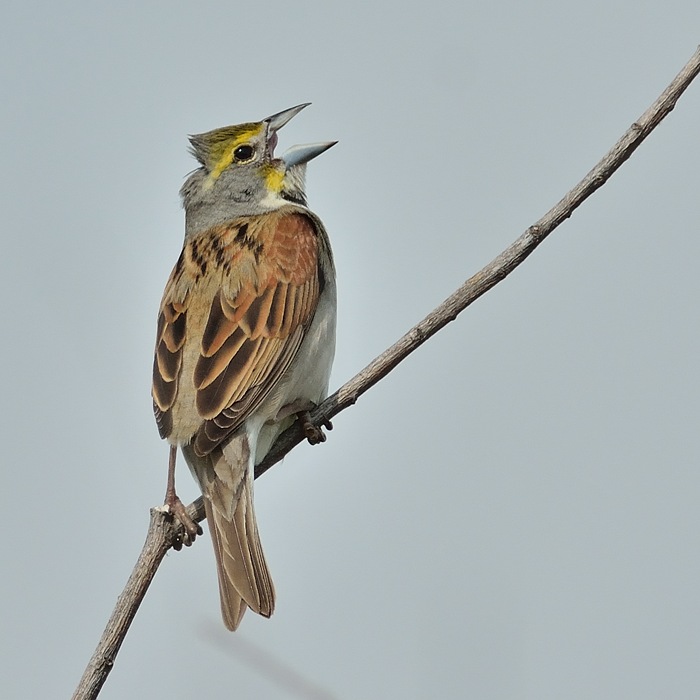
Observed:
{"x":246,"y":336}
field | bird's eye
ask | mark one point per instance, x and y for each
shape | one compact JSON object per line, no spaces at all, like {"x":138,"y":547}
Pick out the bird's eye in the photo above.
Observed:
{"x":243,"y":153}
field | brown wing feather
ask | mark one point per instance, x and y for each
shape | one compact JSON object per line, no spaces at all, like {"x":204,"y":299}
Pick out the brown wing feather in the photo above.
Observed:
{"x":167,"y":362}
{"x":249,"y":291}
{"x":251,"y":337}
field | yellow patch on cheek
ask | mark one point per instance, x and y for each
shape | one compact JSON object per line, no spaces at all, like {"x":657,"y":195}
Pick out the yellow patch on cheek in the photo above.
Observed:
{"x":274,"y":179}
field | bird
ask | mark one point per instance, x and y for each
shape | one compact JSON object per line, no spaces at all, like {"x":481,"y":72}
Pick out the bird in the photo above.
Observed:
{"x":245,"y":338}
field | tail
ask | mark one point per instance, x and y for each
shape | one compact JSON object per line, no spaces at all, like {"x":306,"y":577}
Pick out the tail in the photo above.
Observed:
{"x":226,"y":478}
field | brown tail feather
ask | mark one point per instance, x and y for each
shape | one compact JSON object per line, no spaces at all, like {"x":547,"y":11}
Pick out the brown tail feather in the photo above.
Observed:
{"x":244,"y":579}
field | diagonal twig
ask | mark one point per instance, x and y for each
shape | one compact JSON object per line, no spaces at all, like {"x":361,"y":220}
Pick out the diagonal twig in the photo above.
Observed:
{"x":163,"y":533}
{"x":496,"y":270}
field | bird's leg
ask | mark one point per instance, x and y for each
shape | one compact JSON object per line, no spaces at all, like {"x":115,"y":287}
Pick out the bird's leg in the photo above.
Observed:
{"x":314,"y":433}
{"x":176,"y":506}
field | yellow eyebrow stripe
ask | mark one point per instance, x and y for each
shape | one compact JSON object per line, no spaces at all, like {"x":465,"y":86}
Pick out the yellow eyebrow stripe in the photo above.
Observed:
{"x":224,"y":157}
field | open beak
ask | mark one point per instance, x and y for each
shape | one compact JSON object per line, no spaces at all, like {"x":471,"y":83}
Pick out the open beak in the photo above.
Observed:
{"x":298,"y":155}
{"x":277,"y":121}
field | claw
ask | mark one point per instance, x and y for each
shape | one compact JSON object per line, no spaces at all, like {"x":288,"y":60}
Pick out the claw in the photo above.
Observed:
{"x":314,"y":433}
{"x":190,"y":528}
{"x":177,"y":509}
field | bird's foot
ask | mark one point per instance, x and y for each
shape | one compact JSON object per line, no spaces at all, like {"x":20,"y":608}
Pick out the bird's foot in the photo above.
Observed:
{"x":190,"y":529}
{"x":314,"y":433}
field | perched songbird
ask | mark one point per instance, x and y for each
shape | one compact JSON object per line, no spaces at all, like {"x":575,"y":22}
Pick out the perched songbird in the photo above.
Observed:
{"x":246,"y":336}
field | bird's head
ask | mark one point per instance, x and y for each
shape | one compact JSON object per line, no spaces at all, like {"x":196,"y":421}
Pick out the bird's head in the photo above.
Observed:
{"x":239,"y":174}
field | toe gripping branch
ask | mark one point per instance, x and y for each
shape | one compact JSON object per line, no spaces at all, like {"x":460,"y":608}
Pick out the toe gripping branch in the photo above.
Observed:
{"x":313,"y":433}
{"x":177,"y":508}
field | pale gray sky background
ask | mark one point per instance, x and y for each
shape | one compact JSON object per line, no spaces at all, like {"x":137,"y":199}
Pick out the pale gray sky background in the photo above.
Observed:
{"x":513,"y":513}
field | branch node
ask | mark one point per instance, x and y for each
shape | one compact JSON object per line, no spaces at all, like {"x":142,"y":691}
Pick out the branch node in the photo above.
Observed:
{"x":348,"y":398}
{"x":418,"y":335}
{"x":535,"y":232}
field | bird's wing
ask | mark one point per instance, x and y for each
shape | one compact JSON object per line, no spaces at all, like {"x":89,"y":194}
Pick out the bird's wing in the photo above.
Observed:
{"x":170,"y":343}
{"x":267,"y":285}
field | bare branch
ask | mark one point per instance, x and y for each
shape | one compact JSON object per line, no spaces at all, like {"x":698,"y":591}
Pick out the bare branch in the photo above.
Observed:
{"x":163,"y":533}
{"x":496,"y":270}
